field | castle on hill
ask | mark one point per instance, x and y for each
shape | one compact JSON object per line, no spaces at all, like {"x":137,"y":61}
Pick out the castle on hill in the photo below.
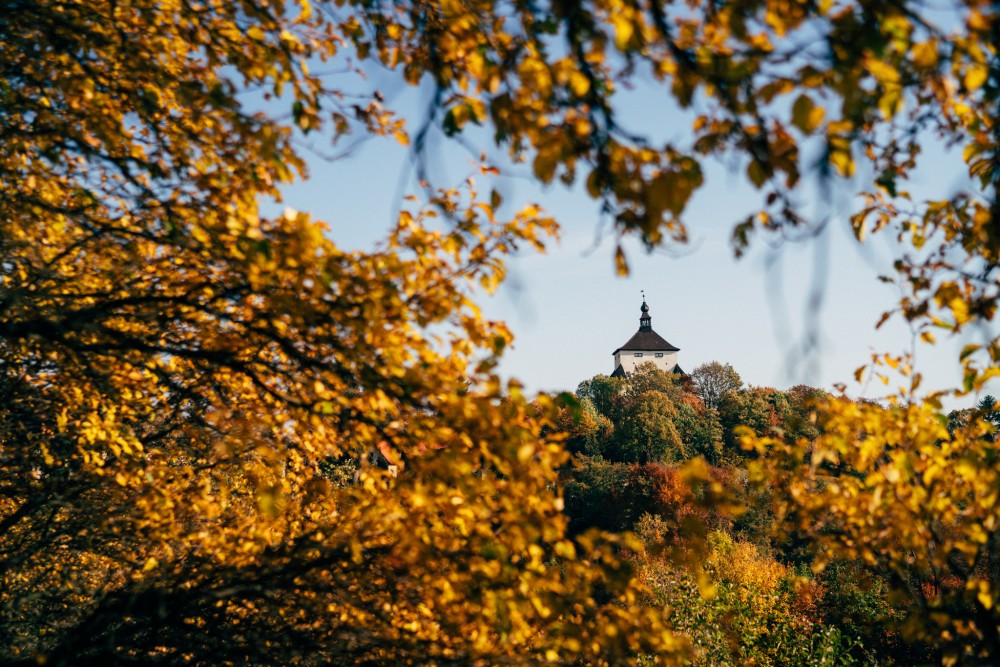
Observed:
{"x":646,"y":346}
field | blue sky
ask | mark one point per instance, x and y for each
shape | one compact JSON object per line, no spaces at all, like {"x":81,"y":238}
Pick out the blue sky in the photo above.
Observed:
{"x":569,"y":311}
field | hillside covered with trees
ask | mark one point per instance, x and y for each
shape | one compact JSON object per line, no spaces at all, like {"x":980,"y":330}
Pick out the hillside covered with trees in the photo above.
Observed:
{"x":672,"y":459}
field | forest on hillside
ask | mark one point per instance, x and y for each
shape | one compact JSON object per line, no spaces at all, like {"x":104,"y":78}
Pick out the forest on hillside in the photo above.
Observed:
{"x":663,"y":455}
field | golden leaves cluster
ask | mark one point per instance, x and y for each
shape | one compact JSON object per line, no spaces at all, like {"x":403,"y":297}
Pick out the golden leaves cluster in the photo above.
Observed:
{"x":180,"y":376}
{"x":171,"y":412}
{"x":184,"y":381}
{"x":773,"y":81}
{"x":916,"y":501}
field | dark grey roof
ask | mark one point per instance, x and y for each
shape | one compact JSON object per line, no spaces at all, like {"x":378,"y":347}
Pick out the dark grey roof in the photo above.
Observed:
{"x":647,"y":341}
{"x":679,"y":370}
{"x":619,"y":372}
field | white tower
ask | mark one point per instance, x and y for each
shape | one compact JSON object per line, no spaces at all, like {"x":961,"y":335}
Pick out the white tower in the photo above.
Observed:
{"x":644,"y":347}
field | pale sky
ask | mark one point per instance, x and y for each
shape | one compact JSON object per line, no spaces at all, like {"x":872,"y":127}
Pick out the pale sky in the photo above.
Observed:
{"x":569,"y":311}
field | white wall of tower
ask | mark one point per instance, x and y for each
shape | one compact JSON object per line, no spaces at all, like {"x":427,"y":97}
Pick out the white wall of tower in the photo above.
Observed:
{"x":628,"y":360}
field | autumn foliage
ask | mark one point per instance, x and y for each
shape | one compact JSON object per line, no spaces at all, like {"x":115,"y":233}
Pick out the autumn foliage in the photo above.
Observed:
{"x":197,"y":397}
{"x":178,"y":370}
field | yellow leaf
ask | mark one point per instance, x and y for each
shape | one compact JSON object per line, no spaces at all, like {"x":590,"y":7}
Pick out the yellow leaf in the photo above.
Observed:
{"x":960,"y":309}
{"x":890,"y":102}
{"x":621,"y":264}
{"x":883,"y":72}
{"x":624,"y":29}
{"x":579,"y":83}
{"x":972,"y":150}
{"x":546,"y":163}
{"x":976,"y":76}
{"x":984,"y":597}
{"x":842,"y":160}
{"x":47,"y":455}
{"x":925,"y":54}
{"x":968,"y":350}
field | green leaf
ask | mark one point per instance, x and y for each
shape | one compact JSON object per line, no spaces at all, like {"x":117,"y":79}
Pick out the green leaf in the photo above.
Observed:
{"x":757,"y":173}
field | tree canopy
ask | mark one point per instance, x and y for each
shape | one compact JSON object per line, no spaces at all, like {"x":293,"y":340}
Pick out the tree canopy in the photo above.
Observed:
{"x":714,"y":380}
{"x":177,"y":370}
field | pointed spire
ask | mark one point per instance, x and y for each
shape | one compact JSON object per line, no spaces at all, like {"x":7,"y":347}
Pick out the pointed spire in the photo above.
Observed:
{"x":645,"y":319}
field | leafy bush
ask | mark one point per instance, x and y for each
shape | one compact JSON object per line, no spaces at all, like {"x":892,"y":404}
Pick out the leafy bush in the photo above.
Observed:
{"x":746,"y":612}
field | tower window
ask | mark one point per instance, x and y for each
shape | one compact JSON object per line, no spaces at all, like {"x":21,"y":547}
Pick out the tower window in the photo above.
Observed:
{"x":638,"y":354}
{"x":659,"y":354}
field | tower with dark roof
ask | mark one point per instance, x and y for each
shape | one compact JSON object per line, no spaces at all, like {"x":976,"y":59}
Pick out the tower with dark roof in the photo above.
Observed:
{"x":646,"y":346}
